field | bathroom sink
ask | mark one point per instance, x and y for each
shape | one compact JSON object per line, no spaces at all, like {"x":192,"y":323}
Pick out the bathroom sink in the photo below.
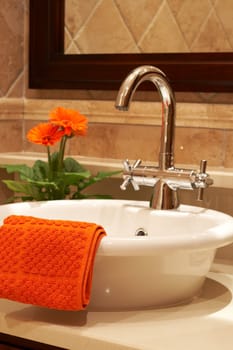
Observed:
{"x":149,"y":258}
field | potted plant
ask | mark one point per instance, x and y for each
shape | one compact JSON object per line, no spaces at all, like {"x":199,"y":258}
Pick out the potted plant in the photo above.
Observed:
{"x":59,"y":177}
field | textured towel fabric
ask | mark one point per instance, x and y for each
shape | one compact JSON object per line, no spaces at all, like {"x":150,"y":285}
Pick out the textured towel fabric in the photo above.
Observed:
{"x":48,"y":262}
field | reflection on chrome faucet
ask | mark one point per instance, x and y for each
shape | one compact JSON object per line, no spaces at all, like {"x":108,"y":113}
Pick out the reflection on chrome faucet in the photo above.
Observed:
{"x":165,"y":179}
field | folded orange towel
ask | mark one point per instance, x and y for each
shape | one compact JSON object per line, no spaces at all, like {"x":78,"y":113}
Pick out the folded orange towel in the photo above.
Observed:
{"x":48,"y":262}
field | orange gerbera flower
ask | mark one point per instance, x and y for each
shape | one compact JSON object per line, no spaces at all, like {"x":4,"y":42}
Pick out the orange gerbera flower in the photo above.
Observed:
{"x":45,"y":134}
{"x":70,"y":120}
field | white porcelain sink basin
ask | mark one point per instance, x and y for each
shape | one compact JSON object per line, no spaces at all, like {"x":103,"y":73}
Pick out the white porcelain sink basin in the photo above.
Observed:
{"x":166,"y":267}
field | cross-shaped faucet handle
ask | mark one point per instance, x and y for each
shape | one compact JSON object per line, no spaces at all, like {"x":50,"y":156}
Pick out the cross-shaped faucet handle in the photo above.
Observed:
{"x":129,"y":178}
{"x":204,"y":179}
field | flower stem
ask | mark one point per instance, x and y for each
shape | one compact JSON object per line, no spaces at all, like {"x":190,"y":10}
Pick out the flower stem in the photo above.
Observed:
{"x":50,"y":170}
{"x":61,"y":152}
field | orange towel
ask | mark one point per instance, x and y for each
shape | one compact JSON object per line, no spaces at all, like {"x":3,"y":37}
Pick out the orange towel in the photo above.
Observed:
{"x":48,"y":262}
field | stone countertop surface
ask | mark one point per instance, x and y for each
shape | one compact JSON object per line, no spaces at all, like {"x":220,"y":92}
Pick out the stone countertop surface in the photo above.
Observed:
{"x":204,"y":323}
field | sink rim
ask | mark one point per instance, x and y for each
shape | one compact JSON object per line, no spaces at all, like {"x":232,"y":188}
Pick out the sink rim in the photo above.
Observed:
{"x":212,"y":238}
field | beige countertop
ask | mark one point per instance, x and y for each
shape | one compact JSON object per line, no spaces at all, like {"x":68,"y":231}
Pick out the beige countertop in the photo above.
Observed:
{"x":205,"y":323}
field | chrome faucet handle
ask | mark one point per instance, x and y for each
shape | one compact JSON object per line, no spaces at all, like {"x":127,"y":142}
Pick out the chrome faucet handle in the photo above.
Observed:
{"x":204,"y":180}
{"x":129,"y":177}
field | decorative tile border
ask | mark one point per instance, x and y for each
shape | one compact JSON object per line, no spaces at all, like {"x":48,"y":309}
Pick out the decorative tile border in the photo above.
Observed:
{"x":11,"y":108}
{"x":195,"y":115}
{"x":141,"y":113}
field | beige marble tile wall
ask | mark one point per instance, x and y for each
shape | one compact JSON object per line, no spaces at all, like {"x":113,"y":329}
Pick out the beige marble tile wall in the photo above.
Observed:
{"x":148,"y":26}
{"x":204,"y":121}
{"x":11,"y":74}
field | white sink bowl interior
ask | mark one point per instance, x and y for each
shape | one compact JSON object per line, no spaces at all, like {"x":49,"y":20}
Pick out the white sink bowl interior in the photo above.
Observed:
{"x":166,"y":267}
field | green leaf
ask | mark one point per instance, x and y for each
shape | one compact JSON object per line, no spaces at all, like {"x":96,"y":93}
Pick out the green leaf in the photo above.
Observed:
{"x":72,"y":166}
{"x":32,"y":190}
{"x":41,"y":184}
{"x":84,"y":183}
{"x":40,"y":170}
{"x":18,"y":186}
{"x":98,"y":177}
{"x":25,"y":171}
{"x":104,"y":174}
{"x":54,"y":161}
{"x":74,"y":178}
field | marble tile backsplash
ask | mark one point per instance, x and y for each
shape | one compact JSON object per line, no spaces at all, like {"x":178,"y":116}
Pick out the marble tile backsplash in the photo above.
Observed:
{"x":204,"y":121}
{"x":148,"y":26}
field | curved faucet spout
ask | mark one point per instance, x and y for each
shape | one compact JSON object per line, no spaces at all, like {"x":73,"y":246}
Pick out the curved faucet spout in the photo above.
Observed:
{"x":158,"y":78}
{"x":165,"y":179}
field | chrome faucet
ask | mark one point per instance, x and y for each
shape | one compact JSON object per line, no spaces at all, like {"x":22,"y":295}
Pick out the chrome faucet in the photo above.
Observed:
{"x":165,"y":179}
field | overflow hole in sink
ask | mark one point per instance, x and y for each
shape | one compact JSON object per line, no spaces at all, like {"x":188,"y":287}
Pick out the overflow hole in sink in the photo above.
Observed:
{"x":141,"y":232}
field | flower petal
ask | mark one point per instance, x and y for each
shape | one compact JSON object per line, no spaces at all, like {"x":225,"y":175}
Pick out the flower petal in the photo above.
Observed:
{"x":70,"y":120}
{"x":45,"y":134}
